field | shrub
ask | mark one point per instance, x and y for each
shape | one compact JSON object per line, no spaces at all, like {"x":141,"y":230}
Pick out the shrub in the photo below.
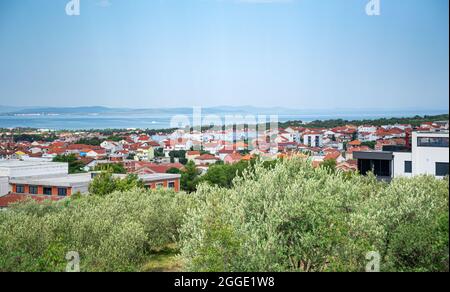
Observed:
{"x":297,"y":218}
{"x":112,"y":233}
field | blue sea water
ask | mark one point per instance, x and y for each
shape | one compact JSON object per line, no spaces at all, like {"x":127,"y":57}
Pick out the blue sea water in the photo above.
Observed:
{"x":158,"y":121}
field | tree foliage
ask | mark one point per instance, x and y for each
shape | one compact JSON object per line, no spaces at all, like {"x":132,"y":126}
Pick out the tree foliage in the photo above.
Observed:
{"x":75,"y":165}
{"x":286,"y":217}
{"x":297,"y":218}
{"x":112,"y":233}
{"x":105,"y":183}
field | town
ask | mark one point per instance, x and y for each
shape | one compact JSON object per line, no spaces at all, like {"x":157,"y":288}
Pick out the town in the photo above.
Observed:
{"x":42,"y":164}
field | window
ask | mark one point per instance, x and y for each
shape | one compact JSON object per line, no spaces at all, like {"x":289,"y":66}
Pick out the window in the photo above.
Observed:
{"x":317,"y":141}
{"x":159,"y":185}
{"x":20,"y":189}
{"x":171,"y":185}
{"x":432,"y":142}
{"x":34,"y":190}
{"x":47,"y":191}
{"x":441,"y":169}
{"x":62,"y":192}
{"x":408,"y":166}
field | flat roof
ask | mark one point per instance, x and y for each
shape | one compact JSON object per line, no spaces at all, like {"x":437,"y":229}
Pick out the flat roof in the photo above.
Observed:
{"x":14,"y":163}
{"x":375,"y":155}
{"x":159,"y":176}
{"x":70,"y":180}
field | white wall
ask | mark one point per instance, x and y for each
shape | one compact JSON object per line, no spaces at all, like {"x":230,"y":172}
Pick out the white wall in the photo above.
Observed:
{"x":425,"y":158}
{"x":399,"y":163}
{"x":29,"y":169}
{"x":4,"y":185}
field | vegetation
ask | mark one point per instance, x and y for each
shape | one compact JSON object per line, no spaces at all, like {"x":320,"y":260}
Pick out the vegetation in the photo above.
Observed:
{"x":297,"y":218}
{"x":118,"y":232}
{"x":75,"y":165}
{"x":111,"y":167}
{"x":370,"y":144}
{"x":90,"y":141}
{"x":105,"y":183}
{"x":180,"y":155}
{"x":292,"y":217}
{"x":414,"y":121}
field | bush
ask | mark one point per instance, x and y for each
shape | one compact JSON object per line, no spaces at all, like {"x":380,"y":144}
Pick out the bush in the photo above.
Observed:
{"x":113,"y":233}
{"x":297,"y":218}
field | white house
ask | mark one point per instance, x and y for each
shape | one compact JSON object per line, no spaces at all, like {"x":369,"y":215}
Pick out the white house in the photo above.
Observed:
{"x":111,"y":146}
{"x":429,"y":155}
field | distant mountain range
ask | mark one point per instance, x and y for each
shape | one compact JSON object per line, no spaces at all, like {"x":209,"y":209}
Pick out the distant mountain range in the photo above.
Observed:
{"x":101,"y":110}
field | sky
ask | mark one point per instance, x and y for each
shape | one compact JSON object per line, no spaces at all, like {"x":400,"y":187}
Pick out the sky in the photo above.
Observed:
{"x":318,"y":54}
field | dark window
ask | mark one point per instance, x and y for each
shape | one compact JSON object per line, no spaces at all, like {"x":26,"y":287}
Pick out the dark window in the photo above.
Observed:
{"x":171,"y":185}
{"x":432,"y":142}
{"x":62,"y":192}
{"x":381,"y":168}
{"x":309,"y":141}
{"x":20,"y":189}
{"x":441,"y":169}
{"x":47,"y":191}
{"x":317,"y":141}
{"x":408,"y":166}
{"x":33,"y":190}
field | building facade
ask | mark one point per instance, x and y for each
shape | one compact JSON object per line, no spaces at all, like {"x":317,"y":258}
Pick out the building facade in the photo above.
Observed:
{"x":428,"y":155}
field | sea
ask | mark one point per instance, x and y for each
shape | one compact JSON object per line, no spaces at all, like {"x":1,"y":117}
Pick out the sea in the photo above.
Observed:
{"x":163,"y":121}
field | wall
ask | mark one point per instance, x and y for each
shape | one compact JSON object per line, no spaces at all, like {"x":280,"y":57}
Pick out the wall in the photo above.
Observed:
{"x":425,"y":158}
{"x":399,"y":164}
{"x":165,"y":183}
{"x":34,"y":170}
{"x":4,"y":186}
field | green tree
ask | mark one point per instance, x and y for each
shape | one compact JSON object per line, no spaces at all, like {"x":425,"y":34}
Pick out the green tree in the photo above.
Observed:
{"x":370,"y":144}
{"x":329,"y":164}
{"x":189,"y":177}
{"x":117,"y":168}
{"x":105,"y":183}
{"x":75,"y":165}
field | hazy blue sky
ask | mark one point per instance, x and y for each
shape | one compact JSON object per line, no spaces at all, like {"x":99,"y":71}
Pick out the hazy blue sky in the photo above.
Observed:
{"x":292,"y":53}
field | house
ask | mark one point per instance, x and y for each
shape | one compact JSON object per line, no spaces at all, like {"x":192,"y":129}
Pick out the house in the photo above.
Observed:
{"x":144,"y":153}
{"x":212,"y":147}
{"x":206,"y":159}
{"x":351,"y":150}
{"x":191,"y":155}
{"x":232,"y":158}
{"x":349,"y":165}
{"x":428,"y":155}
{"x":111,"y":146}
{"x":336,"y":155}
{"x":96,"y":154}
{"x":150,"y":168}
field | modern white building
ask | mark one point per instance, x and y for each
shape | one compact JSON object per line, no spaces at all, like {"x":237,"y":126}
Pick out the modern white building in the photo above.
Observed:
{"x":428,"y":155}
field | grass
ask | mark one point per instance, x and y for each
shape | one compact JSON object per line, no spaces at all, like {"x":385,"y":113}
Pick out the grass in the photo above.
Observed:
{"x":165,"y":260}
